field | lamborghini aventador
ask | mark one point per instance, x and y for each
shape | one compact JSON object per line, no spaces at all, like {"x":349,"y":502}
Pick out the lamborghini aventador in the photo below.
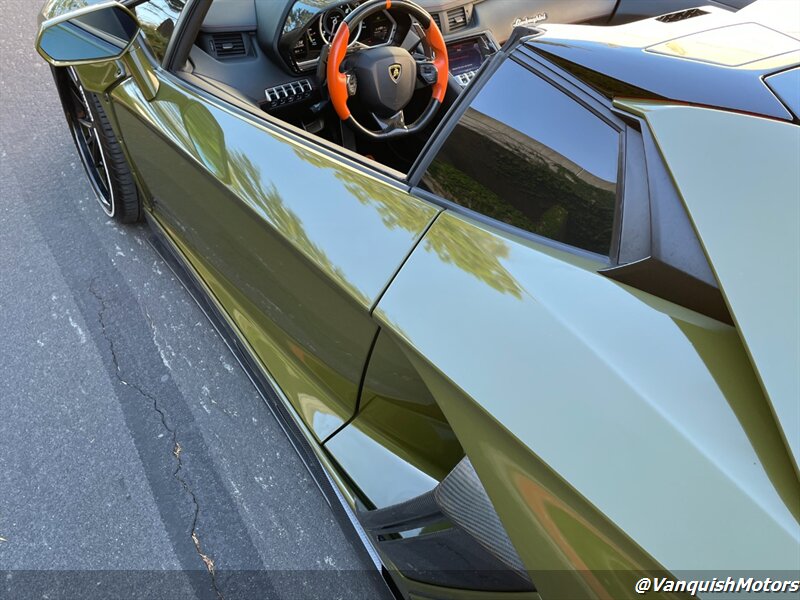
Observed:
{"x":526,"y":292}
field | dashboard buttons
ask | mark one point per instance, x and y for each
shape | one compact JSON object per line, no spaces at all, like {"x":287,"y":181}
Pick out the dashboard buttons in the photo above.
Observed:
{"x":464,"y":78}
{"x":287,"y":93}
{"x":428,"y":72}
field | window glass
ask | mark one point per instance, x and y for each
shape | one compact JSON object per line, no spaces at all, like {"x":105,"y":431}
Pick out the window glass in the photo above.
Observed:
{"x":158,"y":18}
{"x":527,"y":154}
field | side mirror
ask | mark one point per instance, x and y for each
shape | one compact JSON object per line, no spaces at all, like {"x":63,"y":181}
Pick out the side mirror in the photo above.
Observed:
{"x":97,"y":33}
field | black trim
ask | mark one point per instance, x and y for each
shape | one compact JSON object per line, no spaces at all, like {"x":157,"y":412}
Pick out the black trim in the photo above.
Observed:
{"x":360,"y":388}
{"x":186,"y":31}
{"x":567,"y":82}
{"x":416,"y":512}
{"x":792,"y":110}
{"x":656,"y":277}
{"x":601,"y":107}
{"x":452,"y":558}
{"x":632,"y":235}
{"x":659,"y":251}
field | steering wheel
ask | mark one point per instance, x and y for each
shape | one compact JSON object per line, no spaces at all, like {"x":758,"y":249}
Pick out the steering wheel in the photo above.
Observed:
{"x":384,"y":78}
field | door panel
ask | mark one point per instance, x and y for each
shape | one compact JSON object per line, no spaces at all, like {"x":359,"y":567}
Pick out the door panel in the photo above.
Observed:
{"x":295,"y":245}
{"x":400,"y":444}
{"x":581,"y":402}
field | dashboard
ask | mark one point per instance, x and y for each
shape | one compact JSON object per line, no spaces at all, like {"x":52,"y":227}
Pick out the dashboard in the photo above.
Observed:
{"x":307,"y":29}
{"x":268,"y":50}
{"x":466,"y":55}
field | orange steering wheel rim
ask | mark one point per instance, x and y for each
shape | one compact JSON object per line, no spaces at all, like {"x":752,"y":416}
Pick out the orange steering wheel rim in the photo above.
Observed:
{"x":337,"y":81}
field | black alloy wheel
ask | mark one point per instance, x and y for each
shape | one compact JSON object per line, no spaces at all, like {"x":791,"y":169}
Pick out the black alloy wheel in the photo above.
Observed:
{"x":100,"y":152}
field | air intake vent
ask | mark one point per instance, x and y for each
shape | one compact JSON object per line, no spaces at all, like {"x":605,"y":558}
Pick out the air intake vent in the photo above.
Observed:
{"x":437,"y":20}
{"x":681,"y":15}
{"x":457,"y":18}
{"x":228,"y":45}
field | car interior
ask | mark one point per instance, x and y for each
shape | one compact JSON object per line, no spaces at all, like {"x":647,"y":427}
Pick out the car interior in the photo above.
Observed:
{"x":274,"y":55}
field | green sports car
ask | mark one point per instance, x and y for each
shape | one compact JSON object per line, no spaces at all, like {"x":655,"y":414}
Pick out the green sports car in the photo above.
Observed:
{"x":524,"y":294}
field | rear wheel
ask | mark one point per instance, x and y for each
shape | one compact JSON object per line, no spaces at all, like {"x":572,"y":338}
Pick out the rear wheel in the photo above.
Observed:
{"x":99,"y":150}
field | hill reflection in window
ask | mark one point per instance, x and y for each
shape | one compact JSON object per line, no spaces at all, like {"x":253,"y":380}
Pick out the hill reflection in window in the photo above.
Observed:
{"x":529,"y":155}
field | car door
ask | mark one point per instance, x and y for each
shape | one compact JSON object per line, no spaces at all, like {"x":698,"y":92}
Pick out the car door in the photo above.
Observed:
{"x":294,"y":241}
{"x":552,"y":179}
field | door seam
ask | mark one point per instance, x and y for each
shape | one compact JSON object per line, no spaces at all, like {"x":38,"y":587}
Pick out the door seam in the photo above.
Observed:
{"x":396,"y":272}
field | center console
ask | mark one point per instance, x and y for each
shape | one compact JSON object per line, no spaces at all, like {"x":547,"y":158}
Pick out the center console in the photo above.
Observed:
{"x":467,"y":54}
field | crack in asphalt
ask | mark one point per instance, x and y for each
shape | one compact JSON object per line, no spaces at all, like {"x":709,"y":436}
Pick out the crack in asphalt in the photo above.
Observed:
{"x":177,"y":450}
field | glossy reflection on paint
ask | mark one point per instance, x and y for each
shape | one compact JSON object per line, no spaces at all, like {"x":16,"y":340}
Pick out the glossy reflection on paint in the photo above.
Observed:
{"x":285,"y":236}
{"x":588,"y":373}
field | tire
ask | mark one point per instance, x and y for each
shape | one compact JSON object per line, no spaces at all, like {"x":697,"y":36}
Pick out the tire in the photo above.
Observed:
{"x":99,"y":149}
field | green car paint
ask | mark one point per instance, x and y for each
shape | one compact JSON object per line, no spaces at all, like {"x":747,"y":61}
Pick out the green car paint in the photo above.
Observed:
{"x":743,"y":201}
{"x":252,"y":208}
{"x":400,"y":445}
{"x":666,"y":396}
{"x":617,"y":434}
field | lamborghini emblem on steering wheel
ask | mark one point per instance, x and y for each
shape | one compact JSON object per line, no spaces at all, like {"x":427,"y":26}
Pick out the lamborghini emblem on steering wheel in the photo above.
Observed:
{"x":394,"y":71}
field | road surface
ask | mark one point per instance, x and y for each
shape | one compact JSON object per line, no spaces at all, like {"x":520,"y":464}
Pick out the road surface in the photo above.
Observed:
{"x":136,"y":458}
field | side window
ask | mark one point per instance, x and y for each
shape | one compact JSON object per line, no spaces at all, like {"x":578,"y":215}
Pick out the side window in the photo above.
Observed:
{"x":531,"y":156}
{"x":158,"y":18}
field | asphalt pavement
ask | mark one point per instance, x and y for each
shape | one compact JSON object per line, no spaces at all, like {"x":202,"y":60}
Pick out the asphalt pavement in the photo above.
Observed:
{"x":136,"y":457}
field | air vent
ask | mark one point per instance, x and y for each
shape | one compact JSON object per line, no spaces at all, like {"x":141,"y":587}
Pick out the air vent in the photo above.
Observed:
{"x":437,"y":20}
{"x":457,"y":18}
{"x":681,"y":15}
{"x":228,"y":45}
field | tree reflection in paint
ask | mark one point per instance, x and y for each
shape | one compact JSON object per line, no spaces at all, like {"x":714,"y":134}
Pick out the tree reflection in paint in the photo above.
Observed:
{"x":475,"y":251}
{"x":462,"y":245}
{"x":247,"y":179}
